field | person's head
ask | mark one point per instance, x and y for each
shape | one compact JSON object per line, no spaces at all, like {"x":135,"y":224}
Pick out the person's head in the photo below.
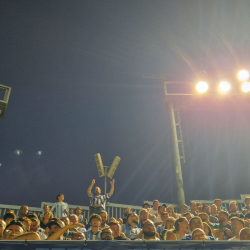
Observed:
{"x":47,"y":216}
{"x":31,"y":215}
{"x":170,"y":209}
{"x":233,"y":206}
{"x":78,"y":236}
{"x":195,"y":222}
{"x":204,"y":217}
{"x":54,"y":226}
{"x":126,"y":211}
{"x":146,"y":206}
{"x":13,"y":229}
{"x":8,"y":217}
{"x":78,"y":210}
{"x":206,"y":209}
{"x":133,"y":218}
{"x":97,"y":191}
{"x":73,"y":219}
{"x":214,"y":209}
{"x":193,"y":206}
{"x":198,"y":234}
{"x":144,"y":214}
{"x":199,"y":206}
{"x":60,"y":197}
{"x":187,"y":215}
{"x":120,"y":221}
{"x":95,"y":220}
{"x":116,"y":228}
{"x":170,"y":235}
{"x":107,"y":234}
{"x":217,"y":202}
{"x":161,"y":209}
{"x":247,"y":200}
{"x":23,"y":210}
{"x":149,"y":229}
{"x":26,"y":222}
{"x":170,"y":223}
{"x":104,"y":216}
{"x":181,"y":224}
{"x":2,"y":226}
{"x":35,"y":224}
{"x":65,"y":220}
{"x":223,"y":216}
{"x":164,"y":217}
{"x":46,"y":208}
{"x":155,"y":204}
{"x":245,"y":233}
{"x":207,"y":229}
{"x":237,"y":224}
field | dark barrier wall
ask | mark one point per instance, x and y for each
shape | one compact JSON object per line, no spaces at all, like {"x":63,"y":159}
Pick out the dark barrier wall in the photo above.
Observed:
{"x":122,"y":245}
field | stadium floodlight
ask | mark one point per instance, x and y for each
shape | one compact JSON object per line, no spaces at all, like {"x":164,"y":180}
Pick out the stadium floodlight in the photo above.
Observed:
{"x":245,"y":86}
{"x":202,"y":87}
{"x":99,"y":165}
{"x":243,"y":75}
{"x":224,"y":87}
{"x":4,"y":102}
{"x":113,"y":167}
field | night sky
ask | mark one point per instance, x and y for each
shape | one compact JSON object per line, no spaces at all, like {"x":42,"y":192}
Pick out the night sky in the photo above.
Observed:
{"x":78,"y":75}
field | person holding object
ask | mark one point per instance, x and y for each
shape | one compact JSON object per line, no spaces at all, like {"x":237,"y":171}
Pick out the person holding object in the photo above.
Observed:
{"x":97,"y":201}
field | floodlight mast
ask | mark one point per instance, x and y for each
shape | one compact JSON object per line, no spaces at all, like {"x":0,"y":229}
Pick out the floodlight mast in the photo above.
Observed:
{"x":103,"y":170}
{"x":4,"y":102}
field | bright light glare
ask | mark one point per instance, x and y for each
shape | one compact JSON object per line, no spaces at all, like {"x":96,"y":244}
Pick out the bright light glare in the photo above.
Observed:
{"x":224,"y":86}
{"x":202,"y":87}
{"x":245,"y":86}
{"x":243,"y":75}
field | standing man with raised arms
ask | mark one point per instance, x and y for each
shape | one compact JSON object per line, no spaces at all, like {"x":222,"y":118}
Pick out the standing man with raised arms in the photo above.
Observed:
{"x":97,"y":201}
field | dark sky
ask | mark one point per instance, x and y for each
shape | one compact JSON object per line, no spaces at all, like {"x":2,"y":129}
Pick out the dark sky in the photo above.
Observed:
{"x":76,"y":67}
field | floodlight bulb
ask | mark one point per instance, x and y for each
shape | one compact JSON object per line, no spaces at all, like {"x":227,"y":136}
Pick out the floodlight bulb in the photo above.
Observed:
{"x":243,"y":75}
{"x":245,"y":86}
{"x":202,"y":87}
{"x":224,"y":86}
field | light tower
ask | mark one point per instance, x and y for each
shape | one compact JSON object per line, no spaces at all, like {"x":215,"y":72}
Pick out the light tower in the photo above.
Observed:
{"x":4,"y":102}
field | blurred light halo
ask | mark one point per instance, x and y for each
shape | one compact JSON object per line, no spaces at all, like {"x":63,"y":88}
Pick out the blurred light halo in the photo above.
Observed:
{"x":224,"y":86}
{"x":245,"y":86}
{"x":201,"y":87}
{"x":18,"y":152}
{"x":243,"y":75}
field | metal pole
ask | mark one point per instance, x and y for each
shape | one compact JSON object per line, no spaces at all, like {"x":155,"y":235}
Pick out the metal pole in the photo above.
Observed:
{"x":105,"y":182}
{"x":177,"y":161}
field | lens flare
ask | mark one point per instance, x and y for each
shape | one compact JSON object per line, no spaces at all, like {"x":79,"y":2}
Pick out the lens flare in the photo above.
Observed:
{"x":202,"y":87}
{"x":243,"y":75}
{"x":245,"y":86}
{"x":224,"y":86}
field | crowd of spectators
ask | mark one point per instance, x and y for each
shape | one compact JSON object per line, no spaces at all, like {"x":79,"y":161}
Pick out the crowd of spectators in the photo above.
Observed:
{"x":159,"y":222}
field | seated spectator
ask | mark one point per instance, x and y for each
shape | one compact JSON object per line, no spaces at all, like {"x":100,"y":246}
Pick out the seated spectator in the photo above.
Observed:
{"x":245,"y":233}
{"x":193,"y":208}
{"x":78,"y":236}
{"x":144,"y":215}
{"x":237,"y":224}
{"x":234,"y":212}
{"x":15,"y":231}
{"x":35,"y":227}
{"x":126,"y":212}
{"x":120,"y":221}
{"x":26,"y":222}
{"x":130,"y":229}
{"x":104,"y":216}
{"x":46,"y":209}
{"x":158,"y":220}
{"x":169,"y":224}
{"x":205,"y":218}
{"x":2,"y":227}
{"x":8,"y":217}
{"x":68,"y":234}
{"x":207,"y":229}
{"x":217,"y":202}
{"x":45,"y":219}
{"x":107,"y":234}
{"x":164,"y":217}
{"x":223,"y":230}
{"x":181,"y":228}
{"x":184,"y":209}
{"x":94,"y":232}
{"x":246,"y":209}
{"x":207,"y":209}
{"x":154,"y":209}
{"x":199,"y":207}
{"x":23,"y":211}
{"x":82,"y":218}
{"x":195,"y":223}
{"x":214,"y":211}
{"x":73,"y":221}
{"x":148,"y":231}
{"x":171,"y":213}
{"x":198,"y":234}
{"x":60,"y":209}
{"x":188,"y":216}
{"x":116,"y":229}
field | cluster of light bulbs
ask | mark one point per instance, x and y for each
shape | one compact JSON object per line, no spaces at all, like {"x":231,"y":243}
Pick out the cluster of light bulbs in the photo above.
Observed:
{"x":224,"y":86}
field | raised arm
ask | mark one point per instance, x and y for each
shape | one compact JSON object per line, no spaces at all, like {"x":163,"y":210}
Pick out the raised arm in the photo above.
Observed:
{"x":28,"y":236}
{"x":90,"y":187}
{"x":112,"y":187}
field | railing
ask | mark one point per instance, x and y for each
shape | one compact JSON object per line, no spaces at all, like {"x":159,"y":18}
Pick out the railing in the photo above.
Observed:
{"x":114,"y":209}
